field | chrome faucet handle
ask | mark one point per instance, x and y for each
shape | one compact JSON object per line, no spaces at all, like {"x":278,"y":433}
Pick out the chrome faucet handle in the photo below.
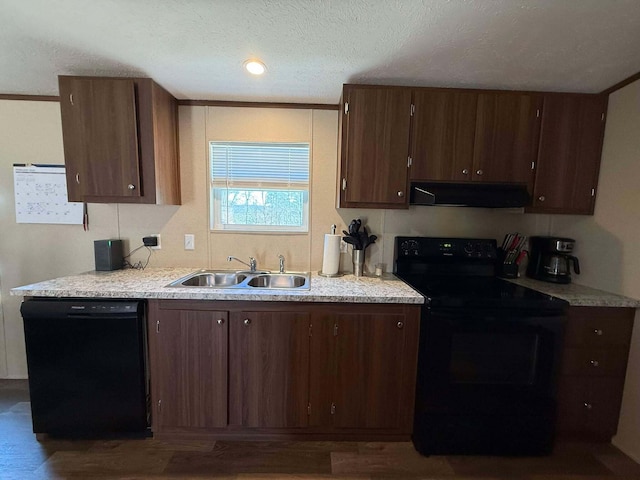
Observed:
{"x":253,"y":264}
{"x":281,"y":257}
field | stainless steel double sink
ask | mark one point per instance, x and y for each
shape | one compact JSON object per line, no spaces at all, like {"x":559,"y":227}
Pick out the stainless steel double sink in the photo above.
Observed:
{"x":243,"y":280}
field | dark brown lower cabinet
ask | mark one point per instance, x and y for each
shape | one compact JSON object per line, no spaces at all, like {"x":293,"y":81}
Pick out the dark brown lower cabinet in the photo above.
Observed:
{"x":188,"y":364}
{"x":269,"y":369}
{"x":343,"y":371}
{"x":363,"y":376}
{"x":594,"y":365}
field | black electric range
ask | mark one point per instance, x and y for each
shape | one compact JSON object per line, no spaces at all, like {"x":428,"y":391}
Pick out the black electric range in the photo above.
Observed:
{"x":489,"y":351}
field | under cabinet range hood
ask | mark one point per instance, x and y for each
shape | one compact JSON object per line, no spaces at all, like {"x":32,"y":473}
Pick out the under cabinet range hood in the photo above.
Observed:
{"x":496,"y":195}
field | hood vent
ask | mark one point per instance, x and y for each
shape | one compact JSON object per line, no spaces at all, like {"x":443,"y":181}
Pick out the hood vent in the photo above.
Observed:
{"x":496,"y":195}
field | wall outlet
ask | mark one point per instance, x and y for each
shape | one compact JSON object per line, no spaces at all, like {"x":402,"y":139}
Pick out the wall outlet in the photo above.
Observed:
{"x":159,"y":246}
{"x":189,"y":241}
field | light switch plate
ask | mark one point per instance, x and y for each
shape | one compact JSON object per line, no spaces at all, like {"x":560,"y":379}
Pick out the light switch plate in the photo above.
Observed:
{"x":189,"y":241}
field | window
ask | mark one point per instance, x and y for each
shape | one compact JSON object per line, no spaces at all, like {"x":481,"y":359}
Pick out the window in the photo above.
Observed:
{"x":261,"y":187}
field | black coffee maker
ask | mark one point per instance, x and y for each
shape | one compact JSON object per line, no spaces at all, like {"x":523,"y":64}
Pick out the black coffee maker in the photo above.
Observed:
{"x":550,"y":259}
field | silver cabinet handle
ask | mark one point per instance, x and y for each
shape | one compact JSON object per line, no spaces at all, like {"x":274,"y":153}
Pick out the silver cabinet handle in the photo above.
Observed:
{"x":598,"y":332}
{"x":401,"y":194}
{"x":78,"y":178}
{"x":594,"y":363}
{"x":247,"y":321}
{"x":588,"y":406}
{"x":71,"y":99}
{"x":131,"y":186}
{"x":220,"y":321}
{"x":479,"y":172}
{"x":465,"y":171}
{"x":400,"y":325}
{"x":541,"y":198}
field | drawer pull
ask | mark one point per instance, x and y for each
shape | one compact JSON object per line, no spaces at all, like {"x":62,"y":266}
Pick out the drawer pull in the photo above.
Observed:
{"x":588,"y":406}
{"x":400,"y":325}
{"x":247,"y":321}
{"x":594,"y":363}
{"x":220,"y":321}
{"x":598,"y":332}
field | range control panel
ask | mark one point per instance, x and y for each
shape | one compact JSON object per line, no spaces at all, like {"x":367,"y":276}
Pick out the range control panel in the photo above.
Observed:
{"x":431,"y":247}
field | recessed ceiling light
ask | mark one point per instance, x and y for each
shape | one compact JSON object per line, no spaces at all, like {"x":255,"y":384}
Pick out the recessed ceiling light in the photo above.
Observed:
{"x":255,"y":67}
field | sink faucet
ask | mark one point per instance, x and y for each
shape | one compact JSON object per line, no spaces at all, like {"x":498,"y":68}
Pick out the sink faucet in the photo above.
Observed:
{"x":281,"y":257}
{"x":253,"y":264}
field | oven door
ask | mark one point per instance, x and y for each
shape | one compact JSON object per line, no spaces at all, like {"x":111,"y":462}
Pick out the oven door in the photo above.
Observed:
{"x":486,"y":381}
{"x":501,"y":361}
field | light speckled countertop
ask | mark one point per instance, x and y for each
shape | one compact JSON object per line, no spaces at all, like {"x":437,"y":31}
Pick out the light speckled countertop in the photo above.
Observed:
{"x":578,"y":295}
{"x":152,"y":283}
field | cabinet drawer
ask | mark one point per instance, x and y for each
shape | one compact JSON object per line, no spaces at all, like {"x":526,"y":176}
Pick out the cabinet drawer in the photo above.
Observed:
{"x":599,"y":327}
{"x":589,"y":406}
{"x":595,"y":362}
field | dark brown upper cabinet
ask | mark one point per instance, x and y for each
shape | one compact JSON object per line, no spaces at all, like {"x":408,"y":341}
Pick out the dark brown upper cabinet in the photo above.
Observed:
{"x":120,"y":140}
{"x":374,"y":146}
{"x":442,"y":133}
{"x":569,"y":154}
{"x":506,"y":137}
{"x":474,"y":136}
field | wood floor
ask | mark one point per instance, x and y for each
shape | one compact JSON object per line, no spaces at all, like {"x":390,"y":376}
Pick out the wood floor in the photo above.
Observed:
{"x":22,"y":457}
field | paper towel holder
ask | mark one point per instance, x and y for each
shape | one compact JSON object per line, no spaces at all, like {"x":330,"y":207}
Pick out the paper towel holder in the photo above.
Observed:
{"x":331,"y":254}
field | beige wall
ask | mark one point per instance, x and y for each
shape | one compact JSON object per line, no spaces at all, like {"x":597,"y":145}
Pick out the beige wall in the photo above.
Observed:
{"x":607,"y":243}
{"x":31,"y":133}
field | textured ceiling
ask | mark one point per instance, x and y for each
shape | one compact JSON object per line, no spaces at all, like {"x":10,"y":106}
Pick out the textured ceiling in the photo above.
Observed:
{"x":196,"y":48}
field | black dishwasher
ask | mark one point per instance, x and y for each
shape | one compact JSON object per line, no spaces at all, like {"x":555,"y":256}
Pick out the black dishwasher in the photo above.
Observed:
{"x":86,"y":366}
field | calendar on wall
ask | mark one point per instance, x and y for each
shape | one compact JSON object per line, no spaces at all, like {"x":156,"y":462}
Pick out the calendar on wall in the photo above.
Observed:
{"x":41,"y":196}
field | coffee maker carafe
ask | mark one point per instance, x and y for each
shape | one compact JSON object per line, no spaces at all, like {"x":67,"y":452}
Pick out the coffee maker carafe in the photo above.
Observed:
{"x":550,"y":259}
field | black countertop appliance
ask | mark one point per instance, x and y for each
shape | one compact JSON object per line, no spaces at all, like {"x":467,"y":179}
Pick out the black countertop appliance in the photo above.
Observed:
{"x":489,"y":352}
{"x":550,"y":259}
{"x":86,"y":366}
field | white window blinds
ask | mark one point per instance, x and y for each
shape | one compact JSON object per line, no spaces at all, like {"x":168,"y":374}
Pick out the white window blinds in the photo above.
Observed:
{"x":271,"y":165}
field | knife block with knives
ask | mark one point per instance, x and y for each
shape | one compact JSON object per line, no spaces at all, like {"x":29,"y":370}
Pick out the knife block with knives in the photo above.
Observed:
{"x":511,"y":254}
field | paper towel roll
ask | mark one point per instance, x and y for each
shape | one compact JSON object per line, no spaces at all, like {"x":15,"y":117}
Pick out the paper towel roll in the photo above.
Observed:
{"x":331,"y":255}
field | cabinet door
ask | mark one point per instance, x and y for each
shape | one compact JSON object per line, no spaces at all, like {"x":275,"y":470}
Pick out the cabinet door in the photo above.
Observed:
{"x":375,"y":364}
{"x":75,"y":110}
{"x":589,"y":406}
{"x":100,"y":132}
{"x":189,"y":368}
{"x":442,"y":135}
{"x":506,"y":139}
{"x":375,"y":147}
{"x":569,"y":153}
{"x":599,"y":327}
{"x":113,"y":136}
{"x":268,"y":369}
